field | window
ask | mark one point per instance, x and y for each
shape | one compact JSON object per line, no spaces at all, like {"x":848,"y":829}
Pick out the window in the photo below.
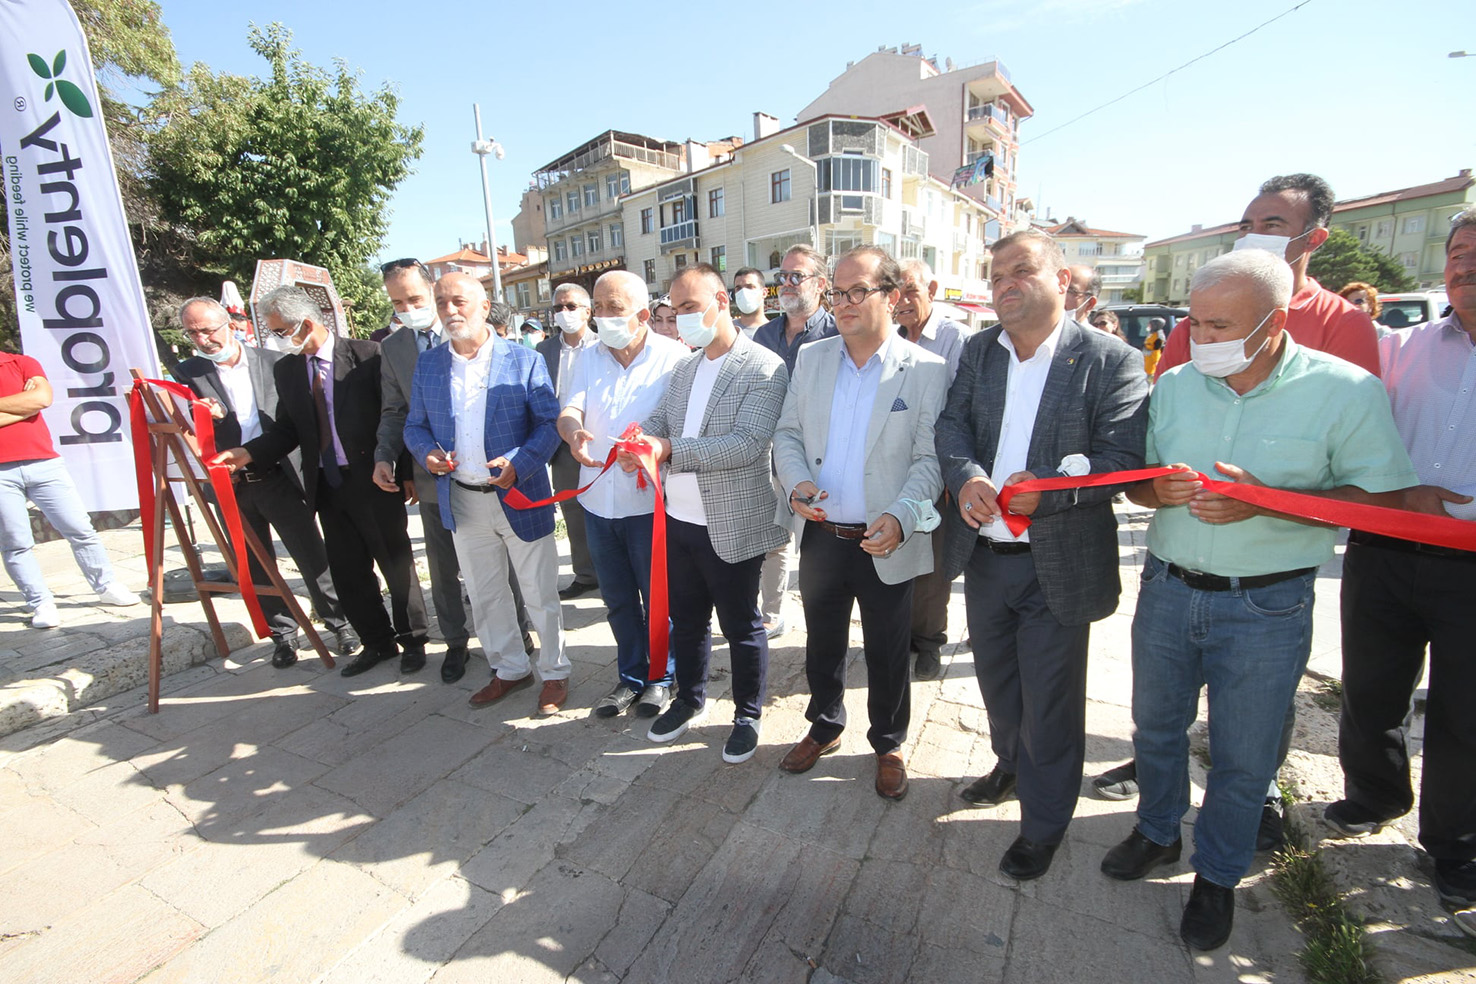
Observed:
{"x":576,"y":246}
{"x":1089,"y":249}
{"x":1362,"y":233}
{"x":887,"y":241}
{"x":592,"y":195}
{"x":617,"y":235}
{"x":594,"y":240}
{"x":1382,"y":228}
{"x":650,"y":270}
{"x":561,"y":250}
{"x":648,"y":221}
{"x":714,"y":204}
{"x":848,"y":173}
{"x":524,"y":298}
{"x":720,"y":259}
{"x":680,"y":260}
{"x":886,"y":182}
{"x":543,"y":292}
{"x":1411,"y":260}
{"x":679,"y":211}
{"x":612,"y":185}
{"x":573,"y":199}
{"x":1413,"y":224}
{"x":779,"y":187}
{"x":555,"y":208}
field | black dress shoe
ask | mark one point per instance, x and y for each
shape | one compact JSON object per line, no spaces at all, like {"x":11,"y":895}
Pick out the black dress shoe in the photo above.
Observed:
{"x":928,"y":665}
{"x":1026,"y":859}
{"x":366,"y":660}
{"x":1208,"y":916}
{"x":575,"y":589}
{"x":454,"y":667}
{"x":284,"y":653}
{"x":992,"y":790}
{"x":347,"y":639}
{"x":1137,"y":855}
{"x":412,"y":659}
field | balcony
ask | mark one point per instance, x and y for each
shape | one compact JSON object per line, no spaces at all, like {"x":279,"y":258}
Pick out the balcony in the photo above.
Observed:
{"x":682,"y":235}
{"x":913,"y":224}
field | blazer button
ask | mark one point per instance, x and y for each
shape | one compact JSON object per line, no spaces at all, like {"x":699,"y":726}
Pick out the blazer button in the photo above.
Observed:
{"x":817,"y":461}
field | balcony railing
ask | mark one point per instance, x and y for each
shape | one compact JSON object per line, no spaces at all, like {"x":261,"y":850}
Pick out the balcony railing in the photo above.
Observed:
{"x":679,"y":232}
{"x":989,"y":111}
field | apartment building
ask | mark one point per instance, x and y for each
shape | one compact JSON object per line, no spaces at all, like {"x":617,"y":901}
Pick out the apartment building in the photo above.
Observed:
{"x":1116,"y":256}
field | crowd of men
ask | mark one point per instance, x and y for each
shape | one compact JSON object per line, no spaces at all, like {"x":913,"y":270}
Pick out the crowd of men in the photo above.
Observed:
{"x":865,"y":438}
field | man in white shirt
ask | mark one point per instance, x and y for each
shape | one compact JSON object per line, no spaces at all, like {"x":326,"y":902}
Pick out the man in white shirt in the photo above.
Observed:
{"x":617,"y":384}
{"x":715,"y":428}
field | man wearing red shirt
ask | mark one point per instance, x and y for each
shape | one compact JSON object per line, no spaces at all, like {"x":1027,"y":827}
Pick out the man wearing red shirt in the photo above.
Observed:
{"x":31,"y":469}
{"x":1297,"y":208}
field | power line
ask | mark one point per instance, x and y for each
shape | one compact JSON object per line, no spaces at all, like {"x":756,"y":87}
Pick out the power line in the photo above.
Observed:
{"x":1165,"y":75}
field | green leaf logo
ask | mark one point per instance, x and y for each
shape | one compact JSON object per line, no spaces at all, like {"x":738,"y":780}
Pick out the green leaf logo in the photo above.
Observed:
{"x":72,"y":97}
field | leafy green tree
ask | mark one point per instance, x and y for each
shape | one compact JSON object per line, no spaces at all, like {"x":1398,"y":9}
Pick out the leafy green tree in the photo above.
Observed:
{"x":1133,"y":295}
{"x":1343,"y":259}
{"x":297,"y":165}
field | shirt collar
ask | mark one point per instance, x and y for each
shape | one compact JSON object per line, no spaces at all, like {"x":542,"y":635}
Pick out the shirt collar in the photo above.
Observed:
{"x":481,"y":355}
{"x":930,"y":327}
{"x":325,"y":351}
{"x":877,"y":357}
{"x":1046,"y":348}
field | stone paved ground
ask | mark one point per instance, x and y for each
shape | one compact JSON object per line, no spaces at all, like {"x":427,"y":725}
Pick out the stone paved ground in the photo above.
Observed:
{"x":295,"y":826}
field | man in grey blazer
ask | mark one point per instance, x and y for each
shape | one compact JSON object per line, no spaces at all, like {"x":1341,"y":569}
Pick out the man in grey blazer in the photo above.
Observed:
{"x":855,"y":456}
{"x":236,"y":382}
{"x":1037,"y":397}
{"x":714,"y":427}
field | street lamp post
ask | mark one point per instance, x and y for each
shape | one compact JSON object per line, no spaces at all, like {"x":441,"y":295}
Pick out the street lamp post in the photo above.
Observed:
{"x":482,"y":148}
{"x":815,"y":194}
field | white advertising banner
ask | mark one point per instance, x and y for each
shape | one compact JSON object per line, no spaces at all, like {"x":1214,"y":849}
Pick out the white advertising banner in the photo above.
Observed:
{"x":78,"y":296}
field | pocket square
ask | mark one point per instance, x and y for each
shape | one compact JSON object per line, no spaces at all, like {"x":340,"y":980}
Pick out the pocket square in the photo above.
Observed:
{"x":898,"y":405}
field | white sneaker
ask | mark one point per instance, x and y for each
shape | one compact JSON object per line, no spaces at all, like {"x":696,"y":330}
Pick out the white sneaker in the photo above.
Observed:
{"x":46,"y":617}
{"x":116,"y":594}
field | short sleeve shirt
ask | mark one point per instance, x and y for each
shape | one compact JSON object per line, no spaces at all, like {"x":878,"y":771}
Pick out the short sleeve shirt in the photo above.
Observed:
{"x":26,"y":440}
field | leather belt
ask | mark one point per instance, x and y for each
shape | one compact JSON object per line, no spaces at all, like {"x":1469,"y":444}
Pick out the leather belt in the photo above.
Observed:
{"x":484,"y":489}
{"x":1408,"y":546}
{"x":251,"y":476}
{"x":846,"y":531}
{"x":1200,"y":581}
{"x":1006,"y":548}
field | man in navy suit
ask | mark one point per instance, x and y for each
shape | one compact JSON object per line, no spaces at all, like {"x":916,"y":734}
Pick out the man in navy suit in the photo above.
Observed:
{"x":481,"y":419}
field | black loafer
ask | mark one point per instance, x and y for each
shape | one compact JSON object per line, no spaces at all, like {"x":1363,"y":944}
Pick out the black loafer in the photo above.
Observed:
{"x":992,"y":790}
{"x":1026,"y":859}
{"x":928,"y":665}
{"x":454,"y":667}
{"x":575,"y":589}
{"x":412,"y":660}
{"x":284,"y":654}
{"x":1137,"y":855}
{"x":365,"y":661}
{"x":1208,"y":916}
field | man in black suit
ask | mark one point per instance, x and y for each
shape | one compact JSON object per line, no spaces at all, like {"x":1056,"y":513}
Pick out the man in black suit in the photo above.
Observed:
{"x":561,"y":351}
{"x":236,"y":382}
{"x":328,"y":397}
{"x":1037,"y":397}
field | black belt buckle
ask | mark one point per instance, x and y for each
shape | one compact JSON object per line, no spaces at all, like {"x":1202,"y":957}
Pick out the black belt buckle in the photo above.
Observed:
{"x":1007,"y":548}
{"x":484,"y":489}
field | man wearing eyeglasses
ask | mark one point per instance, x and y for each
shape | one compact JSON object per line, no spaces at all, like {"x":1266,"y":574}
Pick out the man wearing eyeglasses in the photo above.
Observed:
{"x":856,"y":461}
{"x":1082,"y":291}
{"x":328,"y":399}
{"x":561,"y":352}
{"x":1037,"y":397}
{"x":801,"y":320}
{"x":235,"y":381}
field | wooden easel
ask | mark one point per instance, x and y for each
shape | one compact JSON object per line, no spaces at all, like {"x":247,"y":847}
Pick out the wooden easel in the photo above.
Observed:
{"x":172,"y":439}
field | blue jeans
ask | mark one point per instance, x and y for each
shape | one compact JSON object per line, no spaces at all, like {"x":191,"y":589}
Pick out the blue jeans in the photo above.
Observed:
{"x":621,"y":552}
{"x":1249,"y":646}
{"x":46,"y":483}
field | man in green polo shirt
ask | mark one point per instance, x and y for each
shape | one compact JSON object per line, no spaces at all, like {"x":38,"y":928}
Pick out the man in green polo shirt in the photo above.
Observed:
{"x":1226,"y":595}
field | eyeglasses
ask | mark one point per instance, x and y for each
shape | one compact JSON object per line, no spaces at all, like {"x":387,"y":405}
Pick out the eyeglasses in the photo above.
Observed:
{"x":568,"y":306}
{"x":793,"y":277}
{"x":291,"y":331}
{"x":408,"y":263}
{"x":854,"y":295}
{"x":1078,"y":292}
{"x":205,"y":332}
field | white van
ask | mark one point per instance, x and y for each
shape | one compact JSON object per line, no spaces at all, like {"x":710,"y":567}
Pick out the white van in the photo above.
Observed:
{"x":1402,"y":310}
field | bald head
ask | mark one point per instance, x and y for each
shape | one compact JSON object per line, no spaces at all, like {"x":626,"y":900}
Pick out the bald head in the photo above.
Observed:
{"x":627,"y":285}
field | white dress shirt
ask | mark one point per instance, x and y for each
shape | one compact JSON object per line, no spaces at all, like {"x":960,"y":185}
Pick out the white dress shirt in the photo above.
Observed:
{"x":237,"y":382}
{"x":611,"y":397}
{"x":568,"y":359}
{"x":1430,"y":373}
{"x":469,"y":408}
{"x":1023,"y":389}
{"x":683,"y":497}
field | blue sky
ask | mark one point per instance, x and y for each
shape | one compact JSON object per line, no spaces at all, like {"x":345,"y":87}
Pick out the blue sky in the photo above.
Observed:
{"x":1361,"y":92}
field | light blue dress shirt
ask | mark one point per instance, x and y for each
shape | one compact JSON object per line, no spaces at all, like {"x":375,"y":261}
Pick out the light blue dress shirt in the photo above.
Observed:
{"x":843,"y":470}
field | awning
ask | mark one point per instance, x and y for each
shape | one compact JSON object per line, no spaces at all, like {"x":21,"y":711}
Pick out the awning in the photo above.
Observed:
{"x":988,"y":312}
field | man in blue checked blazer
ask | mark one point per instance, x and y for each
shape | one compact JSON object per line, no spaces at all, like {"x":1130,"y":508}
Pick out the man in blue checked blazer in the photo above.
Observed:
{"x":481,"y":420}
{"x":855,"y":456}
{"x":715,"y":427}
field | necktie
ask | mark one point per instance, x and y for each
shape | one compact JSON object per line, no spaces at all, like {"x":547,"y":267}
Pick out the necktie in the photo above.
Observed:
{"x":426,"y":341}
{"x":327,"y":456}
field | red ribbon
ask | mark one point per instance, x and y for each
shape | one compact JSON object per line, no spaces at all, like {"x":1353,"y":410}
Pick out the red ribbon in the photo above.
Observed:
{"x":1402,"y":524}
{"x":220,"y":481}
{"x":635,"y":443}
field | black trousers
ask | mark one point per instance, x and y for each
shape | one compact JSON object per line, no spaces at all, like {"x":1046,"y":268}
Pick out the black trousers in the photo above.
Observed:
{"x":363,"y":525}
{"x":1032,"y":673}
{"x":836,"y":574}
{"x":275,"y":502}
{"x":1394,"y":604}
{"x":699,"y":581}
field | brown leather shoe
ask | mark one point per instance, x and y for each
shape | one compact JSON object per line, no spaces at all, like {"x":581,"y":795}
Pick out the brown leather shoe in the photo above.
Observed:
{"x":802,"y":757}
{"x":552,"y":696}
{"x":891,"y":776}
{"x":498,"y":689}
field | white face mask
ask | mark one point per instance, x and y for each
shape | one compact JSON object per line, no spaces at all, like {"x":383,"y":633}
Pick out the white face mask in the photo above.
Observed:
{"x":417,"y":319}
{"x":748,"y":299}
{"x":1221,"y":359}
{"x":616,"y":332}
{"x":287,"y":343}
{"x":226,"y":353}
{"x":1275,"y":245}
{"x":569,"y":322}
{"x":694,"y":331}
